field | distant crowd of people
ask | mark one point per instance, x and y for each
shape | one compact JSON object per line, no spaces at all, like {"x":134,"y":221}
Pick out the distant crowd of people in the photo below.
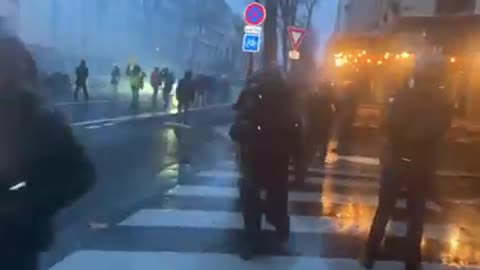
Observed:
{"x":199,"y":90}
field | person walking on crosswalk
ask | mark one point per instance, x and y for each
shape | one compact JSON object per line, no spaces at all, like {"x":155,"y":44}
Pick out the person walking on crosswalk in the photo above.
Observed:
{"x":266,"y":145}
{"x":416,"y":120}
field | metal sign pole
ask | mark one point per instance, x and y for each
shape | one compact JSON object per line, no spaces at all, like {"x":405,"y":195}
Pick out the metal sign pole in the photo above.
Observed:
{"x":250,"y":63}
{"x":254,"y":16}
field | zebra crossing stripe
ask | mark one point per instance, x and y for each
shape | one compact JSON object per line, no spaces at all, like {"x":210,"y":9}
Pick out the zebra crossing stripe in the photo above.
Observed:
{"x":124,"y":260}
{"x":294,"y":196}
{"x":298,"y":224}
{"x":233,"y":176}
{"x":231,"y":173}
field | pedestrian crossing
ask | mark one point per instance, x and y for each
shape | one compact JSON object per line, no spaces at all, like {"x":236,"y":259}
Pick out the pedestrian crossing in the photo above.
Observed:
{"x":198,"y":225}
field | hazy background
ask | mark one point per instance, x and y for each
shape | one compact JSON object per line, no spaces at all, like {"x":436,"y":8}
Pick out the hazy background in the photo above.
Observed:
{"x":204,"y":35}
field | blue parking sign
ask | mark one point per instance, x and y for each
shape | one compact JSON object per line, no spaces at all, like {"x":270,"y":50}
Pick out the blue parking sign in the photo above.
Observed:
{"x":251,"y":43}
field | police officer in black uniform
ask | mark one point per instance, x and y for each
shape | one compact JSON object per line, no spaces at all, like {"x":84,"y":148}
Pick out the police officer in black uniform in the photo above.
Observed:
{"x":266,"y":131}
{"x":321,"y":109}
{"x":416,"y":120}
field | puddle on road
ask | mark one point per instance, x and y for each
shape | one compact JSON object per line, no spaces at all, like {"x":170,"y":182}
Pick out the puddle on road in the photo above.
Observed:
{"x":461,"y":250}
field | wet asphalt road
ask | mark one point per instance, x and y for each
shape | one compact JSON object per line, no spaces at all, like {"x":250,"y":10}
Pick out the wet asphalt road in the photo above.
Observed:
{"x":166,"y":199}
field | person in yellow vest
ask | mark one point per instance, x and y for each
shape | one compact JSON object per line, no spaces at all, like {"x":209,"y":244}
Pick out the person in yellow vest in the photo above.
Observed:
{"x":136,"y":76}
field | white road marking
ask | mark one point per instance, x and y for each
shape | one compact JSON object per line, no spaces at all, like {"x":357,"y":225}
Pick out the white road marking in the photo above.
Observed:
{"x":93,"y":127}
{"x":130,"y":260}
{"x":298,"y":224}
{"x":82,"y":102}
{"x":235,"y":174}
{"x":360,"y":160}
{"x":223,"y":131}
{"x":475,"y":201}
{"x":109,"y":124}
{"x":329,"y":180}
{"x":139,"y":116}
{"x":229,"y":164}
{"x":176,"y":125}
{"x":294,"y":196}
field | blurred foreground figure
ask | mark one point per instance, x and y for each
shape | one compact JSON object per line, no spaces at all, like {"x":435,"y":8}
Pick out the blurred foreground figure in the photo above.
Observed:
{"x":416,"y":120}
{"x":265,"y":130}
{"x":42,"y":168}
{"x":81,"y":82}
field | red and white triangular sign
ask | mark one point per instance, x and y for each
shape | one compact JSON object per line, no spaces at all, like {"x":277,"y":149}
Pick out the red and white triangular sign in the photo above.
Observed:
{"x":296,"y":37}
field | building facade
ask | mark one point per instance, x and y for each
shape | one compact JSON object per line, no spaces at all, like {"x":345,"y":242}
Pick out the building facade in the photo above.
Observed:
{"x":449,"y":29}
{"x":9,"y":16}
{"x":179,"y":34}
{"x":371,"y":15}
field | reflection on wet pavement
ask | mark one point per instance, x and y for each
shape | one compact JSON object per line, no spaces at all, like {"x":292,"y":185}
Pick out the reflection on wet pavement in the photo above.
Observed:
{"x":462,"y":249}
{"x":200,"y":211}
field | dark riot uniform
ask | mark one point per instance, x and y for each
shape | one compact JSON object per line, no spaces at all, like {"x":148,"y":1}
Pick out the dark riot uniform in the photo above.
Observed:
{"x":266,"y":131}
{"x":321,"y":111}
{"x":185,"y":94}
{"x":82,"y":74}
{"x":319,"y":114}
{"x":416,"y":120}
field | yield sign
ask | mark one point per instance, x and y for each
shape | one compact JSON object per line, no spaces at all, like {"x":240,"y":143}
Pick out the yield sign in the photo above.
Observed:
{"x":296,"y":37}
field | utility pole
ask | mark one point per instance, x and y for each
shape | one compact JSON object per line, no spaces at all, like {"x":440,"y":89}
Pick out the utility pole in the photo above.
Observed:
{"x":270,"y":47}
{"x":250,"y":60}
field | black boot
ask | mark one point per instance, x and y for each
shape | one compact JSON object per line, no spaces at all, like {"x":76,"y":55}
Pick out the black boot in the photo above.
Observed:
{"x":366,"y":260}
{"x":413,"y":266}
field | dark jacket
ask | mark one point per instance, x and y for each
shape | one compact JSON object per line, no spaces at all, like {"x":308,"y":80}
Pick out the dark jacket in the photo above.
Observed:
{"x":169,"y":81}
{"x":53,"y":166}
{"x":82,"y":74}
{"x":115,"y":76}
{"x":320,"y":108}
{"x":266,"y":123}
{"x":186,"y":90}
{"x":416,"y":121}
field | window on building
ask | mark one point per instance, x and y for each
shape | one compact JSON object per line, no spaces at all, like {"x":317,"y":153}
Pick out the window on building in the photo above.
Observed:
{"x":448,"y":7}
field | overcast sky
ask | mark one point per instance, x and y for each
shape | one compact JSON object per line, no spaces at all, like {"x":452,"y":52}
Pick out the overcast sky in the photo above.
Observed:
{"x":323,"y":21}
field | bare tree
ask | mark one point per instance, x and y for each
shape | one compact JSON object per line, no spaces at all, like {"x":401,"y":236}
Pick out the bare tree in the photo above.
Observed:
{"x":310,"y":7}
{"x":270,"y":45}
{"x":288,"y":16}
{"x":308,"y":49}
